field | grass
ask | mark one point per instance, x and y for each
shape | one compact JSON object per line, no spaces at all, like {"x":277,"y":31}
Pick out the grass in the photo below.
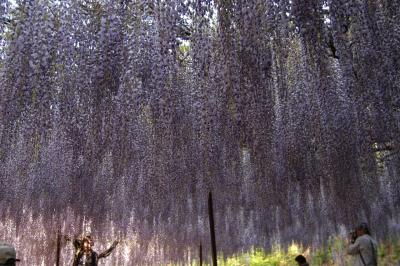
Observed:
{"x":333,"y":254}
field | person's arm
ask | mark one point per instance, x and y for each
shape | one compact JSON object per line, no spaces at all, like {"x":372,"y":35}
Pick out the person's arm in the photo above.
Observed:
{"x":108,"y":251}
{"x":354,"y":248}
{"x":77,"y":243}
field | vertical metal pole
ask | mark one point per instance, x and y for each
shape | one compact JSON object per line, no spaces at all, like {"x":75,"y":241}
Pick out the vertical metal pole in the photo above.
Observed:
{"x":212,"y":229}
{"x":201,"y":255}
{"x":58,"y":248}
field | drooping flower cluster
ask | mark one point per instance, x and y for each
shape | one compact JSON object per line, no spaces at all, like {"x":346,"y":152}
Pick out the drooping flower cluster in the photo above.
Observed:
{"x":118,"y":117}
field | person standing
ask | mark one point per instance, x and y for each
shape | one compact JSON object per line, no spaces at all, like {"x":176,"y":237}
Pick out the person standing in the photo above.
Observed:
{"x":85,"y":255}
{"x":363,"y":247}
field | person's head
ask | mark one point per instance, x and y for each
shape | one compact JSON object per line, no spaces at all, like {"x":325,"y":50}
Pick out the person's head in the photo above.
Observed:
{"x":300,"y":259}
{"x":87,"y":243}
{"x":362,"y":229}
{"x":7,"y":255}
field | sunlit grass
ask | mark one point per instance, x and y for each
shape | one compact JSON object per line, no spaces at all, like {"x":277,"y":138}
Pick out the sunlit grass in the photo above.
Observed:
{"x":333,"y":254}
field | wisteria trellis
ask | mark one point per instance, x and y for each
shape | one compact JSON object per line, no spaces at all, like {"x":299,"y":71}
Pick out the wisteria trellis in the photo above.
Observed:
{"x":118,"y":117}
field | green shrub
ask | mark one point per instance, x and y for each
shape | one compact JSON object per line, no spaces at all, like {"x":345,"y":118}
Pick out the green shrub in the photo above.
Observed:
{"x":333,"y":254}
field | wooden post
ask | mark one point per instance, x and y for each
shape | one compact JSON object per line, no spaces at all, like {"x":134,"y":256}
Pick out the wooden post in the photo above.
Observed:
{"x":212,"y":229}
{"x":58,"y":252}
{"x":201,"y":255}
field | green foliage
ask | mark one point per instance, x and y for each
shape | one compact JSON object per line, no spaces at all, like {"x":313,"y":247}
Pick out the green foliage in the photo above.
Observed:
{"x":389,"y":253}
{"x":333,"y":254}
